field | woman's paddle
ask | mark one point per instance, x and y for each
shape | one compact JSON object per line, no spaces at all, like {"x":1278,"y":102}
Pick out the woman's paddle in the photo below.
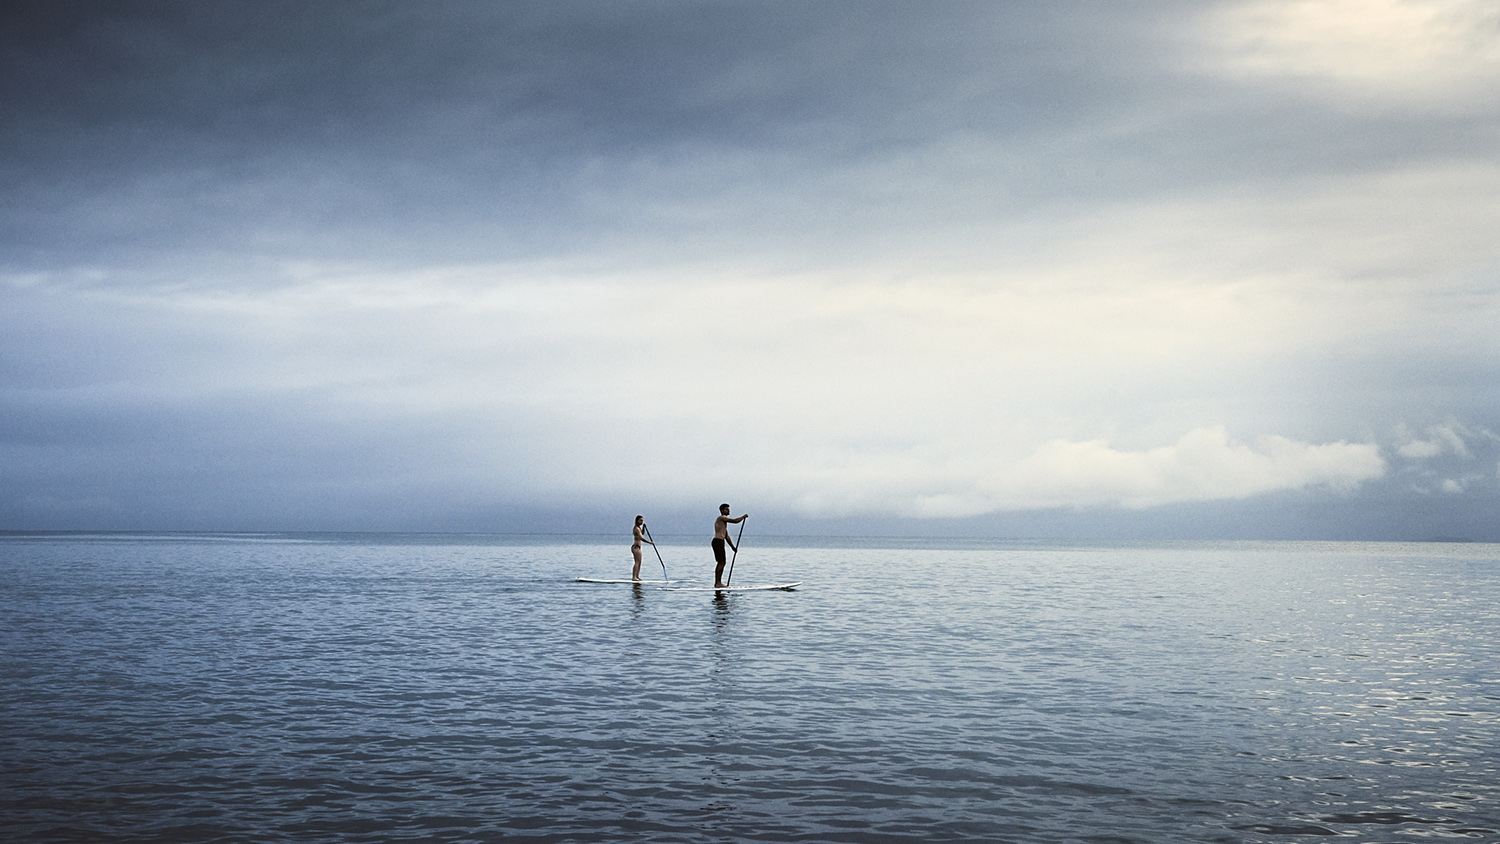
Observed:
{"x":657,"y":550}
{"x":736,"y":556}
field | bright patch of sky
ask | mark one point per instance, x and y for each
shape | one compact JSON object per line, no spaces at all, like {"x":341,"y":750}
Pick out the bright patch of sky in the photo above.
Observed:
{"x":1436,"y":52}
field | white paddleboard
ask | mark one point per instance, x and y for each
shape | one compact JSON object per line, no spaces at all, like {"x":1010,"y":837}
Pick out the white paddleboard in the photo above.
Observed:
{"x":626,"y":580}
{"x":786,"y":586}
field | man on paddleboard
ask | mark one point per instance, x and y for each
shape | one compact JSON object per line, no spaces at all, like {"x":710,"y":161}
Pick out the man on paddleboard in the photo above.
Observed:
{"x":721,"y":536}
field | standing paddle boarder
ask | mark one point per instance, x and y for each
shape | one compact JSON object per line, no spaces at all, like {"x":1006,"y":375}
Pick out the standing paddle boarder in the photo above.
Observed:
{"x":721,"y":536}
{"x":638,"y":536}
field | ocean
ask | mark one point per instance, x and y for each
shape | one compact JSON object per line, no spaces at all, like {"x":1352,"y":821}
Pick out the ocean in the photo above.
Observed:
{"x":394,"y":687}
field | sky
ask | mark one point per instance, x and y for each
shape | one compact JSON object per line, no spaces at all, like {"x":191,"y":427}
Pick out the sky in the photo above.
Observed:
{"x":1109,"y":269}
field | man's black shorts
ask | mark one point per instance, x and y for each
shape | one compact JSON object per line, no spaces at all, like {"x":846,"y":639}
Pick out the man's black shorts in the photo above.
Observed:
{"x":718,"y":550}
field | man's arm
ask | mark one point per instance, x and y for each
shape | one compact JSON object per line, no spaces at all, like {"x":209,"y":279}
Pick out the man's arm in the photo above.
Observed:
{"x":726,"y":533}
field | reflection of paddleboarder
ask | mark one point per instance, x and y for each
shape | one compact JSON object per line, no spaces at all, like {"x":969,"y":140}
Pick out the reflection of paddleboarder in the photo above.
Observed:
{"x":721,"y":536}
{"x":637,"y":537}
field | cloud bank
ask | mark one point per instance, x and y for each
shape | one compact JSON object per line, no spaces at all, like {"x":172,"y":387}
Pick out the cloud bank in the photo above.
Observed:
{"x":1204,"y":465}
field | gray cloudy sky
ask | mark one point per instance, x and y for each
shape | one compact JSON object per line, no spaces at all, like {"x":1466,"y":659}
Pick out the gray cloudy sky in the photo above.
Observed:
{"x":1024,"y":269}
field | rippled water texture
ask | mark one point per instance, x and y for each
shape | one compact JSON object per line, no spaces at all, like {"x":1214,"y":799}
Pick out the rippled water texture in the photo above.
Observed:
{"x":381,"y":688}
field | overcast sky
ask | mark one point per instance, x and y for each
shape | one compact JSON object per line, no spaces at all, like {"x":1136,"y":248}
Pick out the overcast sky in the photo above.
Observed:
{"x":1166,"y":269}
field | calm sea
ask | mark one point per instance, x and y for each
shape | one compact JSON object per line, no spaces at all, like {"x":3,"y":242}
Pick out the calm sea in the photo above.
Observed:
{"x":373,"y":688}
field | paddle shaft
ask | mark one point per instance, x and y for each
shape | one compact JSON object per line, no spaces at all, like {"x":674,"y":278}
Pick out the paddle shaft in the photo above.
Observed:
{"x":741,"y":535}
{"x":657,"y":550}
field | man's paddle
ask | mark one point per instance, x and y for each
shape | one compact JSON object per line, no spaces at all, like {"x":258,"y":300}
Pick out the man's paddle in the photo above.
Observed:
{"x":657,"y":550}
{"x":736,"y":556}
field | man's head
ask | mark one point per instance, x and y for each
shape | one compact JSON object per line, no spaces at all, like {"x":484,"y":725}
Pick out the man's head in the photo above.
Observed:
{"x":724,"y":508}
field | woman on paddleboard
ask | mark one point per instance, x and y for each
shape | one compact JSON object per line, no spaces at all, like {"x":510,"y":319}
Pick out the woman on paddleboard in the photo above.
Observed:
{"x":638,"y":535}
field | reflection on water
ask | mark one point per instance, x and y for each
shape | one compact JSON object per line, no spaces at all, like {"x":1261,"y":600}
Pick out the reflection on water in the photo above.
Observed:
{"x":721,"y":605}
{"x":638,"y":593}
{"x":362,"y":691}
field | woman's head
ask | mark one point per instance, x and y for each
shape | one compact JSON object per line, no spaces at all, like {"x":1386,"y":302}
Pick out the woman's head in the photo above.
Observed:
{"x":640,"y":520}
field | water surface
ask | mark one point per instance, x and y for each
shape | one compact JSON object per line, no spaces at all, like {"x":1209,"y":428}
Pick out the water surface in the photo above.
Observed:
{"x":363,"y":688}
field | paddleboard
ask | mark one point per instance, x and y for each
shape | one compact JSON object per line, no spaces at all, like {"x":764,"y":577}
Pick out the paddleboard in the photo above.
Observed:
{"x":626,"y":580}
{"x":787,"y":586}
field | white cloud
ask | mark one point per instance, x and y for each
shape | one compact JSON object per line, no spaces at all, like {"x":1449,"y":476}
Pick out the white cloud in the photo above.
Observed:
{"x":1421,"y":449}
{"x":1203,"y":465}
{"x":1441,"y":439}
{"x":1407,"y":49}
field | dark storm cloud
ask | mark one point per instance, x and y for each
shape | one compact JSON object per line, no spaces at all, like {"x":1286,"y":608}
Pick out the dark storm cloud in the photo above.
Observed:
{"x":616,"y":75}
{"x":293,"y":128}
{"x":141,"y":132}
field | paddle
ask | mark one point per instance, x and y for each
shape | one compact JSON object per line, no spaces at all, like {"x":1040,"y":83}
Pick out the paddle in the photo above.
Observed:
{"x":730,"y":579}
{"x":657,"y":550}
